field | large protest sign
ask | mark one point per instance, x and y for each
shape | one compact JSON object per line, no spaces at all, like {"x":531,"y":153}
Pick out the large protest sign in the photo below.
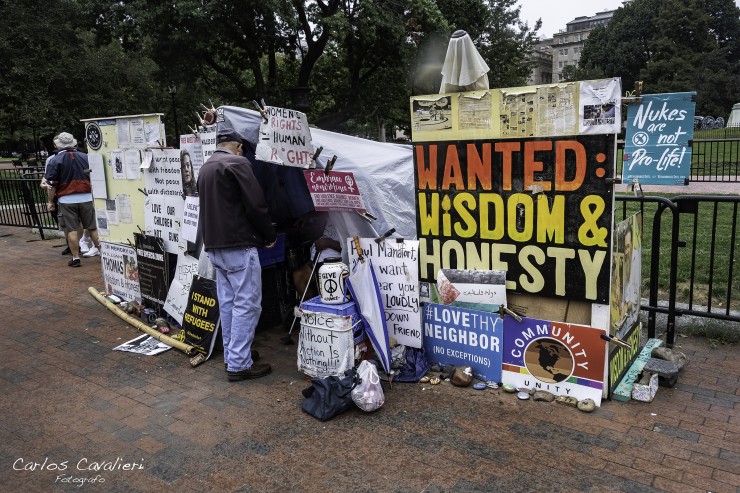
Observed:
{"x":120,"y":270}
{"x":334,"y":191}
{"x":540,"y":209}
{"x":326,"y":344}
{"x":177,"y":296}
{"x":563,"y":359}
{"x":164,"y":201}
{"x":462,"y":337}
{"x":395,"y":264}
{"x":285,"y":138}
{"x":657,"y":146}
{"x":201,"y":315}
{"x":154,"y":271}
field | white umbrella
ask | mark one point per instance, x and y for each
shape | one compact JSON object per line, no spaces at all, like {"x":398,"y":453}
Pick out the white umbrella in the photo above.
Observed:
{"x":365,"y":291}
{"x":463,"y":69}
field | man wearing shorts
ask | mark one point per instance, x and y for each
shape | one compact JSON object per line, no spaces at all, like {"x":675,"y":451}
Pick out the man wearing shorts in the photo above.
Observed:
{"x":68,"y":173}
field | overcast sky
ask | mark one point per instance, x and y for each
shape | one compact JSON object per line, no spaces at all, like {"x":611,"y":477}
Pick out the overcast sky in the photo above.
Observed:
{"x":555,"y":14}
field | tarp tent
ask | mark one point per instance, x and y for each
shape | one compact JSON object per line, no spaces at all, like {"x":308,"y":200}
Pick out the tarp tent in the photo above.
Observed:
{"x":384,"y":173}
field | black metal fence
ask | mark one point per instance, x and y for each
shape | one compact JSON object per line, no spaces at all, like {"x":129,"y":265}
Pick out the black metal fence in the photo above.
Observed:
{"x":23,"y":201}
{"x":690,"y":245}
{"x":715,"y":160}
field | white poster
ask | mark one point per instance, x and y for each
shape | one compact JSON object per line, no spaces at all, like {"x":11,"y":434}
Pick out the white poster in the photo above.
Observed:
{"x":152,"y":134}
{"x":122,"y":133}
{"x":144,"y":344}
{"x":325,"y":344}
{"x":120,"y":270}
{"x":190,"y":219}
{"x":177,"y":296}
{"x":123,"y":204}
{"x":207,"y":144}
{"x":600,"y":106}
{"x":164,"y":202}
{"x":97,"y":175}
{"x":191,"y":150}
{"x":111,"y":210}
{"x":132,"y":161}
{"x":101,"y":219}
{"x":285,"y":138}
{"x":138,"y":137}
{"x":395,"y":264}
{"x":116,"y":164}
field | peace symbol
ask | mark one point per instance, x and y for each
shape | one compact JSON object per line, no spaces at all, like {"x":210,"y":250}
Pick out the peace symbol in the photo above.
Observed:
{"x":640,"y":139}
{"x":330,"y":286}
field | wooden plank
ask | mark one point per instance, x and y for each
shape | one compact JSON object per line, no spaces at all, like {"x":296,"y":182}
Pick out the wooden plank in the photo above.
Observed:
{"x":623,"y":391}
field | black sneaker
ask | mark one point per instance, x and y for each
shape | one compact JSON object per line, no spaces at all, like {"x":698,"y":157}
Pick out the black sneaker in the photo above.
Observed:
{"x":67,"y":251}
{"x":257,"y":370}
{"x":75,"y":262}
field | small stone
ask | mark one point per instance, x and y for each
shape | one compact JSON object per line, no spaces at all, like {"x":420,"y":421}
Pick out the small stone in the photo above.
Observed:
{"x":586,"y":405}
{"x":667,"y":371}
{"x":523,"y":395}
{"x":424,"y":379}
{"x":543,"y":396}
{"x":462,"y":377}
{"x":434,"y":381}
{"x":479,"y":386}
{"x":668,"y":354}
{"x":567,"y":400}
{"x":509,"y":388}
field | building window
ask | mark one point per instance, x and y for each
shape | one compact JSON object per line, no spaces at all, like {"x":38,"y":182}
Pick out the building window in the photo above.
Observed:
{"x":565,"y":51}
{"x":560,"y":64}
{"x":576,"y":49}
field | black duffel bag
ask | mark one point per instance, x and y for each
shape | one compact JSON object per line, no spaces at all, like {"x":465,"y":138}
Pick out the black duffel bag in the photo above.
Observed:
{"x":330,"y":396}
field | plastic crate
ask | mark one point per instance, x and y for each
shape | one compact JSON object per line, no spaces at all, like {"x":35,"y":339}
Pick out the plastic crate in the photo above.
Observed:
{"x":347,"y":309}
{"x":274,"y":255}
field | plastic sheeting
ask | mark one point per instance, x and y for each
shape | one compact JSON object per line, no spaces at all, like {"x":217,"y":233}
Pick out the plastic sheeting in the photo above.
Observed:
{"x":383,"y":171}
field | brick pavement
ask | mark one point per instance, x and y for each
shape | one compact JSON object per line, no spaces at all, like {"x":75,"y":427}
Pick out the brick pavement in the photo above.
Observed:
{"x":69,"y":402}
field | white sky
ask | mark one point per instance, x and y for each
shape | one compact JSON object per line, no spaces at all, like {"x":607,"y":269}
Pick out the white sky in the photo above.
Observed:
{"x":556,"y":14}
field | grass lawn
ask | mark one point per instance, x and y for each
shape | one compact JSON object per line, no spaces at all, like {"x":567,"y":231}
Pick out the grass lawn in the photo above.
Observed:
{"x":701,"y":260}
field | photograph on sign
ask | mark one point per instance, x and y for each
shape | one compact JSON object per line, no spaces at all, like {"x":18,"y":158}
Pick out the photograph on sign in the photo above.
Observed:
{"x":431,"y":114}
{"x":120,"y":271}
{"x":626,"y":295}
{"x":285,"y":138}
{"x":115,"y":162}
{"x":463,"y":337}
{"x":475,"y":289}
{"x":563,"y":359}
{"x":600,"y":106}
{"x":657,"y":143}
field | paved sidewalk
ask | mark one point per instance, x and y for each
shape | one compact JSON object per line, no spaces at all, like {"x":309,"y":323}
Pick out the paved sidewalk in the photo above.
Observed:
{"x":74,"y":410}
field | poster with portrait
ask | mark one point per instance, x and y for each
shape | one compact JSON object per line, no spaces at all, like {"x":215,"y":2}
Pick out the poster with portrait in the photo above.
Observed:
{"x":600,"y":106}
{"x":191,"y":160}
{"x":626,"y":286}
{"x":120,"y":270}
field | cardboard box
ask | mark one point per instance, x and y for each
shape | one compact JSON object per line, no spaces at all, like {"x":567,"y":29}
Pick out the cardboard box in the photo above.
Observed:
{"x":645,"y":392}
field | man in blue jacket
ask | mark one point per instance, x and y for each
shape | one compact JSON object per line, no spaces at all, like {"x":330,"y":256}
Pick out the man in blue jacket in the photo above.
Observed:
{"x":235,"y":221}
{"x":68,"y":173}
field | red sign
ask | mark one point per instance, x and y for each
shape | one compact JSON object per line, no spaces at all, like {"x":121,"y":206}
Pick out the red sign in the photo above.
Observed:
{"x":334,"y":191}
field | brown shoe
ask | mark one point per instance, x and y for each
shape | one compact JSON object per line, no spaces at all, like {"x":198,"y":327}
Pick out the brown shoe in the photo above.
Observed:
{"x":255,"y":358}
{"x":257,"y":370}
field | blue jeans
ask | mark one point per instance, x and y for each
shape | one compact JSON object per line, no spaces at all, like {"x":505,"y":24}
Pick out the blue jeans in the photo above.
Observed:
{"x":239,"y":289}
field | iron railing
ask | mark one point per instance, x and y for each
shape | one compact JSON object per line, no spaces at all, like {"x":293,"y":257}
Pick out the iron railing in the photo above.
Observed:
{"x":23,"y":201}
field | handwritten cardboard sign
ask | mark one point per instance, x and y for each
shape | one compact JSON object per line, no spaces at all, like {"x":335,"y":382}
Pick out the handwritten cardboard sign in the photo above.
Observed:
{"x":285,"y":138}
{"x":334,"y":191}
{"x":164,"y":202}
{"x":396,"y":268}
{"x":177,"y":296}
{"x":657,"y":146}
{"x":326,"y":344}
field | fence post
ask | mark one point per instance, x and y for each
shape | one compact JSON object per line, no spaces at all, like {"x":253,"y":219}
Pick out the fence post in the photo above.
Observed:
{"x":31,"y":205}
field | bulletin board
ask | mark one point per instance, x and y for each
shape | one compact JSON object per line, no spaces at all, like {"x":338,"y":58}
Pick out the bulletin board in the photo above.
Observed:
{"x":118,"y":197}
